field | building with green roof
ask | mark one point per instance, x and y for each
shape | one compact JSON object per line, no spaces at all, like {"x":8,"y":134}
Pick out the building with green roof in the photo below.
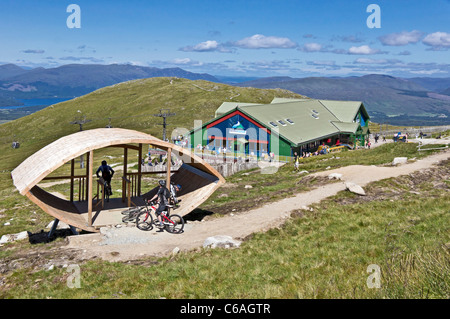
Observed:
{"x":283,"y":127}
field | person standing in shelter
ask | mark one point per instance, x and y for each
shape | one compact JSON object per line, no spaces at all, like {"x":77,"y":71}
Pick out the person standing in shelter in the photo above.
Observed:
{"x":107,"y":174}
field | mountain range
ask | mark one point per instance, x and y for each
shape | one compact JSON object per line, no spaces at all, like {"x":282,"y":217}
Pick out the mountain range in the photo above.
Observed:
{"x":413,"y":101}
{"x":74,"y":80}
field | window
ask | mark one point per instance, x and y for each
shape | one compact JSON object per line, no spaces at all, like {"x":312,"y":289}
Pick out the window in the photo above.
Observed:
{"x":315,"y":116}
{"x":273,"y":124}
{"x":315,"y":112}
{"x":290,"y":121}
{"x":282,"y":123}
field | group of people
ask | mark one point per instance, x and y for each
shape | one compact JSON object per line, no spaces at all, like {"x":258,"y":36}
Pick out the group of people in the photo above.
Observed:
{"x":377,"y":137}
{"x":164,"y":197}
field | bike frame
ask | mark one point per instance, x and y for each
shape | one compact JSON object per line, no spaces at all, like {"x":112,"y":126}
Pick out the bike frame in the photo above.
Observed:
{"x":152,"y":208}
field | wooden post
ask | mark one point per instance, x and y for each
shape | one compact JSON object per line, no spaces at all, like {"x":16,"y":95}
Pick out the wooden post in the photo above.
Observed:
{"x":169,"y":162}
{"x":88,"y":180}
{"x":139,"y":170}
{"x":72,"y":173}
{"x":125,"y":163}
{"x":129,"y":193}
{"x":89,"y":183}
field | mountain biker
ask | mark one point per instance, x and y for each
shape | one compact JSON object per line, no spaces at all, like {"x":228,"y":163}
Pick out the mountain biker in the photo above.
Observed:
{"x":163,"y":196}
{"x":107,"y":174}
{"x":174,"y":189}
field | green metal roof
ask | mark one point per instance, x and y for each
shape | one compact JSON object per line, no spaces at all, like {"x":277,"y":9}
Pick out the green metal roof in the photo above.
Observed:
{"x":285,"y":99}
{"x":345,"y":127}
{"x":225,"y":107}
{"x":311,"y":120}
{"x":345,"y":111}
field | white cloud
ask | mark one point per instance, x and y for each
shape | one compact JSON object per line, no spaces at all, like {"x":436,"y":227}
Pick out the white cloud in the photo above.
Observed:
{"x":323,"y":63}
{"x":311,"y":47}
{"x":401,"y":38}
{"x":438,"y":40}
{"x":259,"y":41}
{"x":428,"y":72}
{"x":74,"y":58}
{"x":370,"y":61}
{"x":33,"y":51}
{"x":377,"y":61}
{"x":363,"y":50}
{"x":207,"y":46}
{"x":186,"y":61}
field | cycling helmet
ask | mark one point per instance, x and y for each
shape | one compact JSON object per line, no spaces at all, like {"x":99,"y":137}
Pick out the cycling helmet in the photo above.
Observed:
{"x":162,"y":183}
{"x":178,"y":186}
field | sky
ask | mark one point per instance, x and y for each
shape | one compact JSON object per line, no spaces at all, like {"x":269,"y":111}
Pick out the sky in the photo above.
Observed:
{"x":405,"y":38}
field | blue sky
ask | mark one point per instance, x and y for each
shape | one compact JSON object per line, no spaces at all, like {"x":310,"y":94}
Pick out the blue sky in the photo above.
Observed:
{"x":234,"y":38}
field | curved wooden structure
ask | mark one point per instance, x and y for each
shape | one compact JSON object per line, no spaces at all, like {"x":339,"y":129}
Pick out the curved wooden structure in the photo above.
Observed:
{"x":198,"y":178}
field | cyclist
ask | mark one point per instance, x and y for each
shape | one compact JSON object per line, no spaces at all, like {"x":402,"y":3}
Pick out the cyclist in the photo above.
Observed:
{"x":174,"y":189}
{"x":107,"y":174}
{"x":163,"y":196}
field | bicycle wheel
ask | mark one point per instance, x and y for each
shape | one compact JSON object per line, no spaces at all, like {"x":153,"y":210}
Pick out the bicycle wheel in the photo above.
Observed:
{"x":132,"y":214}
{"x":144,"y":221}
{"x":175,"y":224}
{"x":130,"y":210}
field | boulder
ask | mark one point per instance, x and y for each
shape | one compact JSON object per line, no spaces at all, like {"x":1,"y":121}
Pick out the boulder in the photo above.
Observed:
{"x":13,"y":237}
{"x":221,"y":241}
{"x":400,"y":160}
{"x":355,"y":188}
{"x":335,"y":176}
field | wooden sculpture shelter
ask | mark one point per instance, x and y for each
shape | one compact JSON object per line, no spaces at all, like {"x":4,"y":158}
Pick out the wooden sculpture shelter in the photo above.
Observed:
{"x":198,"y":179}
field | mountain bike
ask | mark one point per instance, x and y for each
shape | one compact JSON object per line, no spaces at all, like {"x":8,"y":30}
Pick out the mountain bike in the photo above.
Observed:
{"x":171,"y":223}
{"x":131,"y":214}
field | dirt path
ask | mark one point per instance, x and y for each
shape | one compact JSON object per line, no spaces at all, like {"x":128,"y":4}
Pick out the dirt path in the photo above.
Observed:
{"x":128,"y":243}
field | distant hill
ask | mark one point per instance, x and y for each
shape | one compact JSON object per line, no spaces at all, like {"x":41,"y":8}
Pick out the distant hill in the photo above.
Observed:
{"x":77,"y":79}
{"x":446,"y":91}
{"x":10,"y":70}
{"x":432,"y":84}
{"x":388,"y":99}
